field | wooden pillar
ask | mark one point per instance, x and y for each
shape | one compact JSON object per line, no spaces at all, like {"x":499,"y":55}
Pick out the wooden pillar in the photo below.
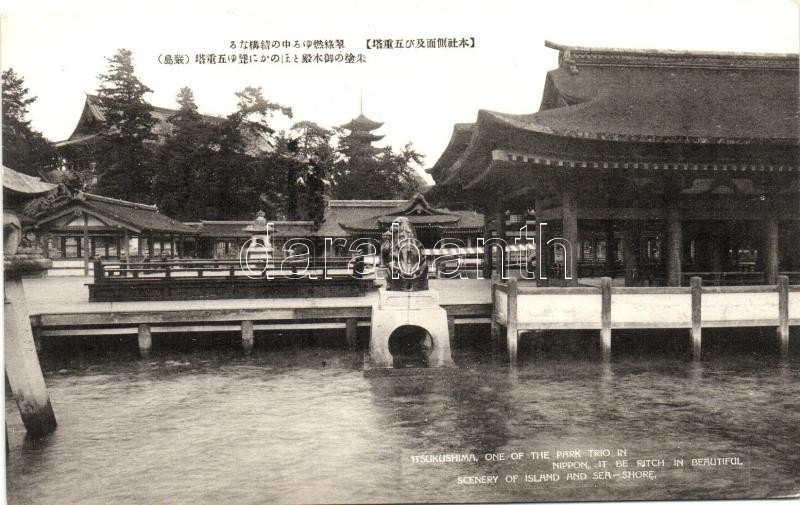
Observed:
{"x":351,"y":333}
{"x":495,"y":326}
{"x":500,"y":227}
{"x":674,"y":246}
{"x":512,"y":334}
{"x":487,"y":251}
{"x":171,"y":245}
{"x":182,"y":250}
{"x":605,"y":318}
{"x":85,"y":243}
{"x":771,"y":251}
{"x":630,"y":252}
{"x":22,"y":367}
{"x":63,"y":252}
{"x":783,"y":315}
{"x":126,"y":246}
{"x":150,"y":246}
{"x":247,"y":336}
{"x":611,"y":249}
{"x":145,"y":340}
{"x":697,"y":318}
{"x":569,"y":204}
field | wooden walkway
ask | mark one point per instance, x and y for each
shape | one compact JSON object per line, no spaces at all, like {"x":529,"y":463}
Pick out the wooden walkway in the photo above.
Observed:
{"x":59,"y":308}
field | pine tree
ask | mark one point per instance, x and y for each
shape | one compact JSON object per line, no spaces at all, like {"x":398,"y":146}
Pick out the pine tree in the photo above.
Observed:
{"x":126,"y":169}
{"x":180,"y":182}
{"x":24,"y":149}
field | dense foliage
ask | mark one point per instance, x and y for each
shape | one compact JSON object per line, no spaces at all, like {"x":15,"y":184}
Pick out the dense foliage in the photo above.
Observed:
{"x":203,"y":167}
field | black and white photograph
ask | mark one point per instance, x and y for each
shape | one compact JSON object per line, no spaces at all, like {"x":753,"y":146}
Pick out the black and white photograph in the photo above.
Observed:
{"x":367,"y":252}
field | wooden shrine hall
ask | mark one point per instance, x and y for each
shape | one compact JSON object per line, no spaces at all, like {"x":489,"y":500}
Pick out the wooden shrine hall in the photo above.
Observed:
{"x":653,"y":165}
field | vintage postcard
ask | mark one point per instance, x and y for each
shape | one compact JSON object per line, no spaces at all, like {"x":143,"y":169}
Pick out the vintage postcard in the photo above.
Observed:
{"x":401,"y":252}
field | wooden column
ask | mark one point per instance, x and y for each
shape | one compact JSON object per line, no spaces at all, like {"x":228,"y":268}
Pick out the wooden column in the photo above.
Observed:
{"x":351,"y":333}
{"x":127,"y":244}
{"x":487,"y":251}
{"x":500,"y":227}
{"x":145,"y":340}
{"x":697,"y":318}
{"x":494,"y":334}
{"x":605,"y":318}
{"x":611,"y":250}
{"x":771,"y":251}
{"x":23,"y":371}
{"x":630,"y":252}
{"x":569,"y":204}
{"x":171,"y":245}
{"x":674,"y":246}
{"x":783,"y":315}
{"x":247,"y":336}
{"x":86,"y":244}
{"x":512,"y":333}
{"x":150,"y":246}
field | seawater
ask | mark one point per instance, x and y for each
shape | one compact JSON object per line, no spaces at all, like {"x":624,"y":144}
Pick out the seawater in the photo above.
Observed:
{"x":306,"y":426}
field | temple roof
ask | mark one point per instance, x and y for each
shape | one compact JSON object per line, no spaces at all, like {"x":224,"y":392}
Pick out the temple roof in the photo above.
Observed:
{"x":22,"y":184}
{"x":92,"y":119}
{"x":339,"y":213}
{"x":420,"y":213}
{"x":138,"y":217}
{"x":599,"y":103}
{"x":361,"y":123}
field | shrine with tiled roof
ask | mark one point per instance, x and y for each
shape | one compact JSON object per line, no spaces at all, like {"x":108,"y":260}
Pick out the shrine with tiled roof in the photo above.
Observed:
{"x":654,"y":164}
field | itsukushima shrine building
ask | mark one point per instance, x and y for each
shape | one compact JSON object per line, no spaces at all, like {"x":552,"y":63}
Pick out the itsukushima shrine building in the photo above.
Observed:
{"x":658,"y":164}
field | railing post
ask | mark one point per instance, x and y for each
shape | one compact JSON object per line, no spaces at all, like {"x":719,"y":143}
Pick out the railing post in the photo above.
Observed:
{"x":605,"y":317}
{"x":783,"y":315}
{"x":98,"y":271}
{"x":697,"y":331}
{"x":512,"y":333}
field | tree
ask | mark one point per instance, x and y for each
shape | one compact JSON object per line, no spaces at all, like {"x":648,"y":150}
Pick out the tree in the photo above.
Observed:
{"x":24,"y":149}
{"x":313,"y":145}
{"x":180,"y":182}
{"x":386,"y":175}
{"x":126,"y":170}
{"x":243,"y":176}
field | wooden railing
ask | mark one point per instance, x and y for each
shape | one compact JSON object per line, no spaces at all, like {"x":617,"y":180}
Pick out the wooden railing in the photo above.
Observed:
{"x":118,"y":270}
{"x":521,"y":305}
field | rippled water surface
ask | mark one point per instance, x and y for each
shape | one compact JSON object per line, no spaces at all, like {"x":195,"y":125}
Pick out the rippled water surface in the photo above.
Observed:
{"x":307,"y":426}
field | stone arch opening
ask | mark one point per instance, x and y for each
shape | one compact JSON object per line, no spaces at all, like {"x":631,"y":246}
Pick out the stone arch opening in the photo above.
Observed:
{"x":410,"y":346}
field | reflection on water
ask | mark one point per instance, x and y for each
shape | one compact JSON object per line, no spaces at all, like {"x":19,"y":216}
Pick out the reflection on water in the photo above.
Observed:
{"x":299,"y":426}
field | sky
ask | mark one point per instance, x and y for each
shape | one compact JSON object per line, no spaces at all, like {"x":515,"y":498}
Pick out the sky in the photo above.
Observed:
{"x":418,"y":93}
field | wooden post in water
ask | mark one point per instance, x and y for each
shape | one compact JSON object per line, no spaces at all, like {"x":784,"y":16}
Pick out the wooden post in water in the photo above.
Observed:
{"x":511,"y":317}
{"x":145,"y":340}
{"x":23,"y":371}
{"x":697,"y":326}
{"x":605,"y":318}
{"x":247,"y":336}
{"x":351,"y":333}
{"x":783,"y":315}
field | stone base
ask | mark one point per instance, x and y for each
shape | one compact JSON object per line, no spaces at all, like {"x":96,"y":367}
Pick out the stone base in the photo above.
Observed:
{"x":415,"y":308}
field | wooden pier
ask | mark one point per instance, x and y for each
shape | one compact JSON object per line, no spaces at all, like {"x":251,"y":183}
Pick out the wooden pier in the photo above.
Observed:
{"x":246,"y":317}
